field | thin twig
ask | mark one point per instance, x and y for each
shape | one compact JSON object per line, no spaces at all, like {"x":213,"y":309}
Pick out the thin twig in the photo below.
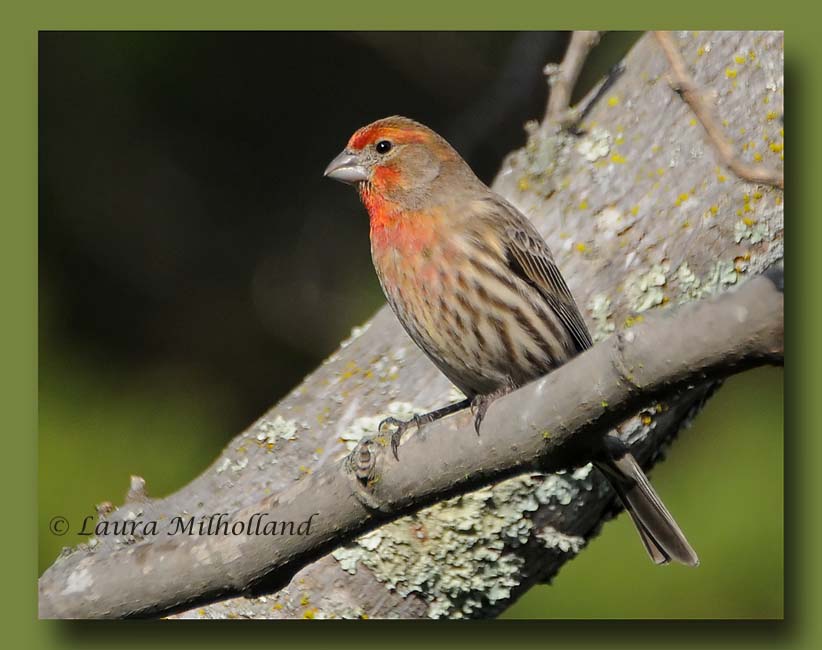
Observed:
{"x":564,"y":78}
{"x":687,"y":88}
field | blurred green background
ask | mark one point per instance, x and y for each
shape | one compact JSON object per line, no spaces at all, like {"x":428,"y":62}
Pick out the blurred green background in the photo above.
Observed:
{"x":182,"y":204}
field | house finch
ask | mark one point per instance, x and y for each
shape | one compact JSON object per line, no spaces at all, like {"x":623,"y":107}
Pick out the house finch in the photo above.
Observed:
{"x":476,"y":287}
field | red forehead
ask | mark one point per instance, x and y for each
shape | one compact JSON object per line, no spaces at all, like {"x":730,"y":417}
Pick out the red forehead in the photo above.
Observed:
{"x":376,"y":132}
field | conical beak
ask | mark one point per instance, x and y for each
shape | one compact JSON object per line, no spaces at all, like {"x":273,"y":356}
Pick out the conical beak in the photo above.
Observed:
{"x":346,"y":168}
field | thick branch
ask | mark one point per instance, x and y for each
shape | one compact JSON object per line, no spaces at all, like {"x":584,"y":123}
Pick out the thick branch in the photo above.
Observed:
{"x":522,"y":432}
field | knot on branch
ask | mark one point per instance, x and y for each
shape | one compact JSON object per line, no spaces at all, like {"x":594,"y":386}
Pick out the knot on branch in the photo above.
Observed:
{"x":622,"y":339}
{"x":362,"y":465}
{"x":362,"y":461}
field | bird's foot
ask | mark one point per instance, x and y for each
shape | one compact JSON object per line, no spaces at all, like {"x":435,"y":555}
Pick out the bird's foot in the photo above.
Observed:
{"x":480,"y":403}
{"x":418,"y":421}
{"x":401,"y":427}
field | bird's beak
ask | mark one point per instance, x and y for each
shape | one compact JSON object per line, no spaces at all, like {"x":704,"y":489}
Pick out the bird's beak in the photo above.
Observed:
{"x":346,"y":168}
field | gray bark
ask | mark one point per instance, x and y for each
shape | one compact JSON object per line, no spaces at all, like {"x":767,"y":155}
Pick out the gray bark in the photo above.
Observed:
{"x":640,"y":217}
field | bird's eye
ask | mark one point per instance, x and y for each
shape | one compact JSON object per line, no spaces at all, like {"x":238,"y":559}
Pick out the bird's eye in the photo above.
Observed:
{"x":383,"y":146}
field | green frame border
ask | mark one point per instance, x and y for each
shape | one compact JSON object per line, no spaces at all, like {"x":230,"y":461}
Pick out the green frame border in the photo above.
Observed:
{"x":18,"y":166}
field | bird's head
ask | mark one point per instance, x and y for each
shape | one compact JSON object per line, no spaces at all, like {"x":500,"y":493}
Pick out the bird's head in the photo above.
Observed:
{"x":393,"y":156}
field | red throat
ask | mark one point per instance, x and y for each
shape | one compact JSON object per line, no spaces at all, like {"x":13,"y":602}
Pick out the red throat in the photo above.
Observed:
{"x":392,"y":227}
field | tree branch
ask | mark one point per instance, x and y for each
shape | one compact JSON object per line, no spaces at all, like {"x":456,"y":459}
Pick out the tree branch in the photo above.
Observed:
{"x":690,"y":92}
{"x":549,"y":425}
{"x":639,"y":218}
{"x":563,"y":78}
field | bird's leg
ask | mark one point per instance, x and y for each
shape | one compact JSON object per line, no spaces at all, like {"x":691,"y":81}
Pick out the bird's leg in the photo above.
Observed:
{"x":480,"y":403}
{"x":418,"y":420}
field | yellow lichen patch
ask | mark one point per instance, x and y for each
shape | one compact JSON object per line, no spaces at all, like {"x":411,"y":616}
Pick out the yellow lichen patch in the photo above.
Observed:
{"x":523,"y":184}
{"x":700,"y":51}
{"x":635,"y":210}
{"x":618,"y":158}
{"x":741,"y":262}
{"x":351,"y":369}
{"x":771,"y":115}
{"x":721,"y":177}
{"x":581,"y":247}
{"x":613,"y":101}
{"x":757,"y":157}
{"x":730,"y":73}
{"x":692,"y":121}
{"x":630,"y":321}
{"x":646,"y":420}
{"x":277,"y":606}
{"x":681,"y":198}
{"x":757,"y":195}
{"x":776,"y":147}
{"x":583,"y":205}
{"x":752,"y":55}
{"x":714,"y":209}
{"x":310,"y":613}
{"x":740,"y":60}
{"x":660,"y":172}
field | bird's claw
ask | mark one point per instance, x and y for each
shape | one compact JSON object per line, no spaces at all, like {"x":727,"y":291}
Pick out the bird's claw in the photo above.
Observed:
{"x":480,"y":403}
{"x":479,"y":407}
{"x":402,"y":427}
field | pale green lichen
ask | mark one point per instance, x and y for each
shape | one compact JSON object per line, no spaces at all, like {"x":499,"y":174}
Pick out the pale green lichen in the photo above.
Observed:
{"x":599,"y":307}
{"x":279,"y":427}
{"x":368,"y":425}
{"x":458,"y":554}
{"x":721,"y":275}
{"x":755,"y":232}
{"x":644,"y":288}
{"x":554,"y":539}
{"x":595,"y":145}
{"x":544,"y":155}
{"x":689,"y":284}
{"x":234,"y":465}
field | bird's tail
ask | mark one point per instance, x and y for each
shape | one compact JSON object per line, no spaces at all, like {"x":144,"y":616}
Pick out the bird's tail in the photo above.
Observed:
{"x":660,"y":534}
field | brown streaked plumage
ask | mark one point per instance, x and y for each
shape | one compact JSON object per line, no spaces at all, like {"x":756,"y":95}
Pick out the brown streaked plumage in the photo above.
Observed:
{"x":477,"y":289}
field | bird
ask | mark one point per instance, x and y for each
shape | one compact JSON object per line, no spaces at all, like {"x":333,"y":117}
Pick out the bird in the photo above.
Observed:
{"x":476,"y":287}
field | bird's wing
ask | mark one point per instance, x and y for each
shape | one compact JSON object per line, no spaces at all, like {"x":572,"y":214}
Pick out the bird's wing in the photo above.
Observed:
{"x":529,"y":257}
